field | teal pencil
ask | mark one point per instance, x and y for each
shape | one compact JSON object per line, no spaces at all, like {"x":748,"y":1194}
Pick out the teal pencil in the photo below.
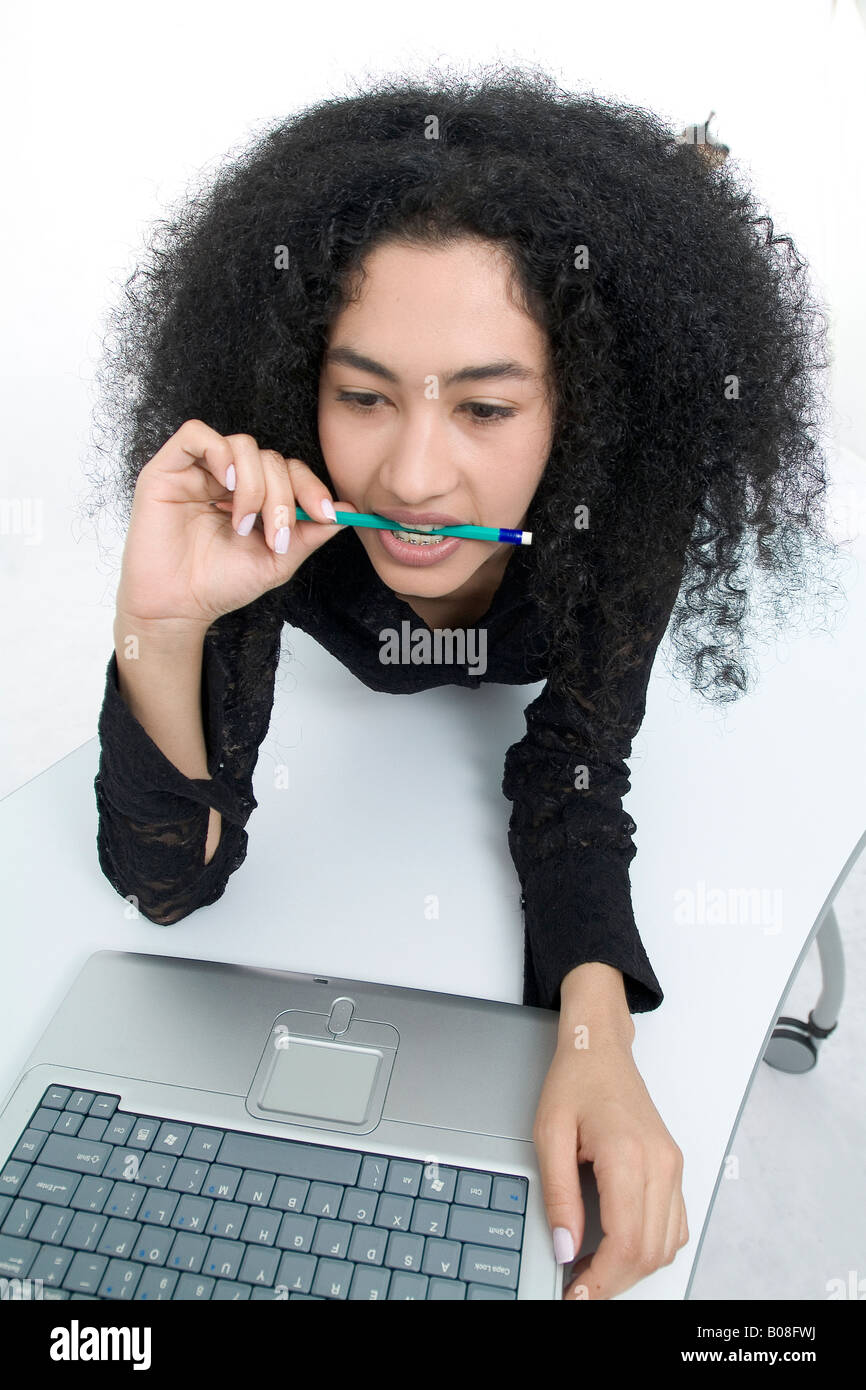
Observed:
{"x":469,"y":533}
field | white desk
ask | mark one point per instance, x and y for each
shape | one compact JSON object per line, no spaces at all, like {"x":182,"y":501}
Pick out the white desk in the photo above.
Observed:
{"x":339,"y":874}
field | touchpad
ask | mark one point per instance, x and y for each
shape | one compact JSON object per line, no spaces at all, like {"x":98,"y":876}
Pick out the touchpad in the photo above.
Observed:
{"x":311,"y":1074}
{"x":322,"y":1080}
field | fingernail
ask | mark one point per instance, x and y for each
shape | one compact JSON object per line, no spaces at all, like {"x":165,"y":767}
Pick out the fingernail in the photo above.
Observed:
{"x":563,"y":1245}
{"x":281,"y":542}
{"x":231,"y":478}
{"x":328,"y":509}
{"x":246,"y":524}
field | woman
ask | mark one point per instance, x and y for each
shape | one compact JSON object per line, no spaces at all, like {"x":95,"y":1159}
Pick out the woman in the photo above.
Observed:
{"x":490,"y":302}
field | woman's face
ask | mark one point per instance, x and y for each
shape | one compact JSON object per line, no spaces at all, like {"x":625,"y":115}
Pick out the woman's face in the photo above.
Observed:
{"x":432,"y":399}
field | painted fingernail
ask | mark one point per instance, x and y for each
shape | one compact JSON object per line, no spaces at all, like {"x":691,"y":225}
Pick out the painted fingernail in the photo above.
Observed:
{"x":246,"y":524}
{"x":231,"y":478}
{"x":328,"y":509}
{"x":281,"y":541}
{"x":563,"y":1245}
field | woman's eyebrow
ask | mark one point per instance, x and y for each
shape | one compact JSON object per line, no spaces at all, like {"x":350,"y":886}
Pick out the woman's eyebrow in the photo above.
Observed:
{"x":348,"y":357}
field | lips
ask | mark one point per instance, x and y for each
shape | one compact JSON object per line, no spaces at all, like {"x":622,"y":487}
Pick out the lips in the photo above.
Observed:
{"x":407,"y":518}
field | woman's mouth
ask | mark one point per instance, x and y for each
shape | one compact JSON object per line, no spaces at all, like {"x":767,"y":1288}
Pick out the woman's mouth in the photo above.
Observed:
{"x":410,"y":548}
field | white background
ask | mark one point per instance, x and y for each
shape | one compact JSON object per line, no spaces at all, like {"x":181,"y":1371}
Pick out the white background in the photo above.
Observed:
{"x":111,"y":111}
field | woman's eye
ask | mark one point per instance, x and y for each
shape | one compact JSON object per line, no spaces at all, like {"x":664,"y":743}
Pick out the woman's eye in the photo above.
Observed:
{"x":366,"y":401}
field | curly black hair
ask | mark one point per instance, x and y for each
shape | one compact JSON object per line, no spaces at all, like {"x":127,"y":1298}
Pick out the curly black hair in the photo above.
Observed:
{"x":685,"y":339}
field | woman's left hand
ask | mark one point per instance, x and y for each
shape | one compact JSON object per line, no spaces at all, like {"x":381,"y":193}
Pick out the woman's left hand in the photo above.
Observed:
{"x":594,"y":1106}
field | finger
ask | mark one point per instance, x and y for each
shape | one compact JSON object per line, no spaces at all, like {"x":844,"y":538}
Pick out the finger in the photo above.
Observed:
{"x":196,"y":442}
{"x":250,"y":488}
{"x":555,"y":1138}
{"x":616,"y":1264}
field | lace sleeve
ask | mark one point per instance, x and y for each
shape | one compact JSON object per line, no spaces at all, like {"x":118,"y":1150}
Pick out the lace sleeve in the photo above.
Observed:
{"x":152,"y":820}
{"x":571,"y":842}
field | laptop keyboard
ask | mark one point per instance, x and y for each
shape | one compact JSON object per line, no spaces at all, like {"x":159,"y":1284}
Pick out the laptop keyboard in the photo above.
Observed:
{"x":98,"y":1203}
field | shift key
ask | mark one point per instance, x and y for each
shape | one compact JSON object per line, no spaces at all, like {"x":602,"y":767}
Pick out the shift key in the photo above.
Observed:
{"x":78,"y":1155}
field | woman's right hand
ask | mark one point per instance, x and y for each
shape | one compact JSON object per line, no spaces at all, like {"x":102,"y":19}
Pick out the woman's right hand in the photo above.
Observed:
{"x":184,"y":559}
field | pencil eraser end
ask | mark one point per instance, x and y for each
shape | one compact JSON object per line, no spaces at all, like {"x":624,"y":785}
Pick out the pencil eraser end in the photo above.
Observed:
{"x":526,"y":538}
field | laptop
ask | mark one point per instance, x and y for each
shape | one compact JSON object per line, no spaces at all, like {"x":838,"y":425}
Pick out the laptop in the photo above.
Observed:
{"x":188,"y":1129}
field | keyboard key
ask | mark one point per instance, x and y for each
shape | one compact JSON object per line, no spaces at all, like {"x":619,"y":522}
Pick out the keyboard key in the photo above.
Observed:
{"x":332,"y":1278}
{"x":404,"y":1251}
{"x":13,"y":1176}
{"x":370,"y":1283}
{"x":68,"y":1122}
{"x":120,"y":1127}
{"x":56,"y":1097}
{"x":429,"y":1218}
{"x":153,"y":1245}
{"x":203,"y":1143}
{"x":394,"y":1212}
{"x":358,"y":1206}
{"x":155,"y":1285}
{"x":155,"y":1170}
{"x":221,"y":1183}
{"x":446,"y":1288}
{"x":476,"y":1291}
{"x":373,"y":1173}
{"x":81,"y":1101}
{"x":367,"y":1245}
{"x":228,"y":1289}
{"x":76,"y":1155}
{"x":226,"y":1219}
{"x":158,"y":1207}
{"x":29,"y":1144}
{"x":191,"y":1214}
{"x":296,"y":1232}
{"x":51,"y":1224}
{"x":51,"y":1265}
{"x":120,"y":1280}
{"x":323,"y":1199}
{"x":92,"y":1128}
{"x":92,"y":1194}
{"x":509,"y":1194}
{"x":259,"y":1266}
{"x":172,"y":1138}
{"x":44,"y":1118}
{"x":473,"y":1189}
{"x":119,"y":1238}
{"x":85,"y":1273}
{"x":481,"y":1265}
{"x":188,"y":1252}
{"x":256,"y":1188}
{"x":404,"y":1177}
{"x":291,"y":1160}
{"x":441,"y":1257}
{"x":20,"y":1217}
{"x":85,"y":1231}
{"x":141,"y":1134}
{"x":261,"y":1226}
{"x":494,"y":1228}
{"x":187,"y":1176}
{"x":103,"y":1106}
{"x":223,"y":1258}
{"x":438,"y":1183}
{"x":290,"y":1194}
{"x":16,"y":1256}
{"x":124,"y":1200}
{"x":295,"y":1272}
{"x":50,"y":1185}
{"x":332,"y":1238}
{"x":194,"y":1286}
{"x":408,"y":1286}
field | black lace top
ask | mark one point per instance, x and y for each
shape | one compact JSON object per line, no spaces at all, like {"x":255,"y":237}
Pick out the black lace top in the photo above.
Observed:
{"x":571,"y":848}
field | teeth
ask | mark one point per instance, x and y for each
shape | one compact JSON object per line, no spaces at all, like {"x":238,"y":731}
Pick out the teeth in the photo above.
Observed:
{"x":416,"y":539}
